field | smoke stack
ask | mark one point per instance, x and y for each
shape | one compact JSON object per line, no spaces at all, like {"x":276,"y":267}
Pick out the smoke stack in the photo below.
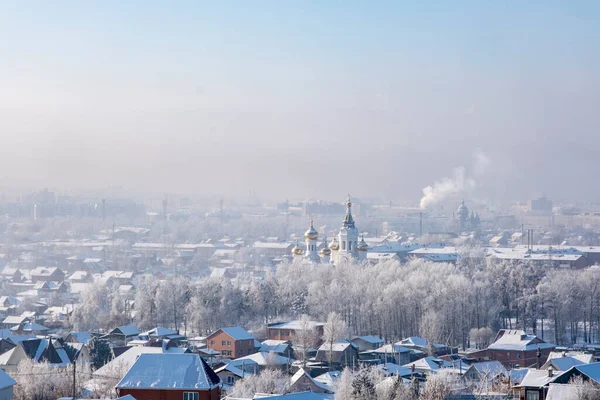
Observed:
{"x":420,"y":224}
{"x":103,"y":210}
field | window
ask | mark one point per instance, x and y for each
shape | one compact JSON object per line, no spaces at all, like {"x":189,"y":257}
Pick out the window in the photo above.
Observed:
{"x":230,"y":379}
{"x":349,"y":246}
{"x":222,"y":343}
{"x":533,"y":395}
{"x":190,"y":396}
{"x":518,"y":355}
{"x":343,"y":245}
{"x":212,"y":342}
{"x":228,"y":343}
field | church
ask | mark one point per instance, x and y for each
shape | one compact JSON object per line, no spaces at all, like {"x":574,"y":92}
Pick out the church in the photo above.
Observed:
{"x":345,"y":247}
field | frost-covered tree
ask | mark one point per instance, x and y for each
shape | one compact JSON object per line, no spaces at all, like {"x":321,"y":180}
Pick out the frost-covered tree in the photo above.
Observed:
{"x":272,"y":381}
{"x":335,"y":329}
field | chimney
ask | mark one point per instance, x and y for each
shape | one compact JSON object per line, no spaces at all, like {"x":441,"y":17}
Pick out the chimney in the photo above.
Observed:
{"x":550,"y":372}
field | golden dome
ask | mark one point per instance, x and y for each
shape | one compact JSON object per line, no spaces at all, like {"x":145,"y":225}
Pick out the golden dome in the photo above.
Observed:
{"x":311,"y":233}
{"x":297,"y":250}
{"x":325,"y":251}
{"x":334,"y":245}
{"x":362,"y":245}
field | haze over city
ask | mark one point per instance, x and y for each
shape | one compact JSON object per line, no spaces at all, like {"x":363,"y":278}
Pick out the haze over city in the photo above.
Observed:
{"x":381,"y":99}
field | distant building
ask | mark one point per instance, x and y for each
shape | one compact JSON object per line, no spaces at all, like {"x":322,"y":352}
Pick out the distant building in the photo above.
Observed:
{"x":541,"y":205}
{"x":464,"y":220}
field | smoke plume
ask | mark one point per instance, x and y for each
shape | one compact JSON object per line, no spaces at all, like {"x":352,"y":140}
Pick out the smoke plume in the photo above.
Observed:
{"x":460,"y":182}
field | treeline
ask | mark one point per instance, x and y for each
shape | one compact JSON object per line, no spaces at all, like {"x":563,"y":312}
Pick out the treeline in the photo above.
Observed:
{"x":445,"y":303}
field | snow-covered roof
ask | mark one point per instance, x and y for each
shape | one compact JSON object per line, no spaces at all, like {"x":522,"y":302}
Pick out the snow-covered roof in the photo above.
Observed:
{"x":126,"y":330}
{"x":81,"y":337}
{"x":329,"y":379}
{"x":238,"y":333}
{"x":538,"y":377}
{"x":518,"y":340}
{"x":340,"y":345}
{"x":30,"y":327}
{"x":294,"y":396}
{"x":394,"y":369}
{"x":262,"y":359}
{"x":590,"y":370}
{"x":370,"y":339}
{"x":276,"y":346}
{"x":585,"y":358}
{"x":126,"y":359}
{"x":489,"y":368}
{"x":391,"y":349}
{"x":170,"y":371}
{"x":301,"y":373}
{"x":429,"y":364}
{"x":159,"y":332}
{"x":295,"y":325}
{"x":562,"y":363}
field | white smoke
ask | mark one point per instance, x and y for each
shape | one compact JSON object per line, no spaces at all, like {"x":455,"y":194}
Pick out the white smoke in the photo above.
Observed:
{"x":461,"y":182}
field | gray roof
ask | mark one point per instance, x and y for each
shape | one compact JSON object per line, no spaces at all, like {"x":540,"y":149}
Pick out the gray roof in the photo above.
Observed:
{"x":170,"y":371}
{"x":238,"y":333}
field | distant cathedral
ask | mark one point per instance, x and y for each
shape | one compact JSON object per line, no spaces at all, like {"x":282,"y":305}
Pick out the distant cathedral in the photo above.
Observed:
{"x":345,"y":247}
{"x":464,"y":220}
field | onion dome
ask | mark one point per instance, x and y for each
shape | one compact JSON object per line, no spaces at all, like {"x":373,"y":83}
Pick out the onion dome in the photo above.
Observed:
{"x":462,"y":212}
{"x":297,"y":250}
{"x":311,"y":233}
{"x":362,"y":245}
{"x":334,"y":245}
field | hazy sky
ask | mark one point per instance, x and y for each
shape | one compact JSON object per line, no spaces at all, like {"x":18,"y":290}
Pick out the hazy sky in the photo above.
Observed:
{"x":301,"y":98}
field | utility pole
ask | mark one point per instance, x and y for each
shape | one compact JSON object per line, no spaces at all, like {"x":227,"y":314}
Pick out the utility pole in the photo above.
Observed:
{"x":74,"y":379}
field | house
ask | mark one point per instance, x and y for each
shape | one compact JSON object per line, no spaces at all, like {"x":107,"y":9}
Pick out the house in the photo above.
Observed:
{"x":232,"y":342}
{"x":329,"y":379}
{"x":395,"y":353}
{"x":14,"y":274}
{"x":14,"y":320}
{"x":584,"y":357}
{"x":301,"y":381}
{"x":29,"y":328}
{"x":562,"y":363}
{"x":429,"y":364}
{"x":271,"y":360}
{"x":236,"y":370}
{"x":365,"y":343}
{"x":125,"y":357}
{"x":78,"y":337}
{"x":48,"y":274}
{"x":534,"y":385}
{"x":39,"y":350}
{"x":343,"y":353}
{"x":6,"y":386}
{"x":162,"y":333}
{"x":422,"y":344}
{"x":285,"y":330}
{"x":486,"y":372}
{"x":391,"y":369}
{"x":282,"y":347}
{"x":170,"y":377}
{"x":81,"y":277}
{"x":121,"y":334}
{"x":515,"y":348}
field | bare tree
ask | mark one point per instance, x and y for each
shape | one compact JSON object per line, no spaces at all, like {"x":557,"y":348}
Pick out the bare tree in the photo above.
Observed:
{"x":305,"y":337}
{"x":335,"y":329}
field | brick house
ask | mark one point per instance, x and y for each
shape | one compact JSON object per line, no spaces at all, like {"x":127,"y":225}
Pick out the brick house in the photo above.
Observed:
{"x":232,"y":342}
{"x":170,"y":377}
{"x":515,"y":349}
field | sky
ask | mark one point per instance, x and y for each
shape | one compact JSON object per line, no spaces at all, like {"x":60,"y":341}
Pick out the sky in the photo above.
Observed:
{"x":299,"y":99}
